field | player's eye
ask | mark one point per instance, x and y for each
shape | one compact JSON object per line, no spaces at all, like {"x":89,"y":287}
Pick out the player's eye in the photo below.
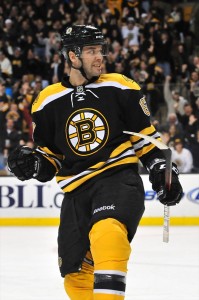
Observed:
{"x":92,"y":51}
{"x":95,"y":52}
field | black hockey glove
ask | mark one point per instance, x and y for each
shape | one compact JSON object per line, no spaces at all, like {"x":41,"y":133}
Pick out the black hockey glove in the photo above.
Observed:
{"x":157,"y":177}
{"x":23,"y":163}
{"x":26,"y":163}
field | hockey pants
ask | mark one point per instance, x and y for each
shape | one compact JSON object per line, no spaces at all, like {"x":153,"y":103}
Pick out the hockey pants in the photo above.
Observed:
{"x":110,"y":250}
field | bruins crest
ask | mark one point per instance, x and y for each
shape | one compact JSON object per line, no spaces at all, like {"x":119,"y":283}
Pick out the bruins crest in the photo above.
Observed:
{"x":86,"y":131}
{"x":144,"y":106}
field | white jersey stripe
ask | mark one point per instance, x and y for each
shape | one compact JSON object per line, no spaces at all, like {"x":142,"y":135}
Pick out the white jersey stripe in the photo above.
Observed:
{"x":53,"y":97}
{"x":144,"y":142}
{"x":92,"y":85}
{"x":46,"y":154}
{"x":110,"y":292}
{"x":114,"y":272}
{"x":67,"y":181}
{"x":108,"y":84}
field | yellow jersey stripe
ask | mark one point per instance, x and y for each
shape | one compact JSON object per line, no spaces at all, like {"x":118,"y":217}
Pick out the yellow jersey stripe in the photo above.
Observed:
{"x":114,"y":84}
{"x":48,"y":95}
{"x":144,"y":150}
{"x":121,"y":148}
{"x":147,"y":131}
{"x":46,"y":150}
{"x":114,"y":80}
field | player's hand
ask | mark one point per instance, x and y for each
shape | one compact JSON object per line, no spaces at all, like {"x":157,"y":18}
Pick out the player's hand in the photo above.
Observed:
{"x":157,"y":178}
{"x":23,"y":163}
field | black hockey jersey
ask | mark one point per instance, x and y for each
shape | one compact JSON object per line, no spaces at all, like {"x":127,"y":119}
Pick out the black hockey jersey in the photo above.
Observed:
{"x":80,"y":129}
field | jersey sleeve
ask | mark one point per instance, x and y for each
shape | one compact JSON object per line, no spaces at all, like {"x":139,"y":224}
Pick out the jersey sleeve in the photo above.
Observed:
{"x":43,"y":132}
{"x":137,"y":118}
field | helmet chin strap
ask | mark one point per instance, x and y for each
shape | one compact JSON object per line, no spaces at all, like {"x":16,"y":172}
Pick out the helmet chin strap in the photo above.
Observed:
{"x":81,"y":69}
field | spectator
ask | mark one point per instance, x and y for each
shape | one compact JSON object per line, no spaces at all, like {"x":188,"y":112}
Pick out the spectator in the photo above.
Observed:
{"x":194,"y":148}
{"x":56,"y":69}
{"x":33,"y":65}
{"x":55,"y":11}
{"x":130,"y":31}
{"x":163,"y":46}
{"x":10,"y":137}
{"x":17,"y":64}
{"x":22,"y":90}
{"x":40,"y":9}
{"x":15,"y":114}
{"x":157,"y":11}
{"x":27,"y":128}
{"x":10,"y":33}
{"x":4,"y":103}
{"x":133,"y":8}
{"x":165,"y":136}
{"x":193,"y":125}
{"x":157,"y":107}
{"x":194,"y":65}
{"x":37,"y":84}
{"x":51,"y":45}
{"x":182,"y":157}
{"x":40,"y":33}
{"x":110,"y":63}
{"x":27,"y":43}
{"x":5,"y":66}
{"x":25,"y":28}
{"x":194,"y":88}
{"x":180,"y":60}
{"x":174,"y":134}
{"x":179,"y":102}
{"x":175,"y":102}
{"x":184,"y":119}
{"x":171,"y":120}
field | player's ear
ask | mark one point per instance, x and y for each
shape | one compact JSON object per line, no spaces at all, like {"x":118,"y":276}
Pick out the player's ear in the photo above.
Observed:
{"x":72,"y":56}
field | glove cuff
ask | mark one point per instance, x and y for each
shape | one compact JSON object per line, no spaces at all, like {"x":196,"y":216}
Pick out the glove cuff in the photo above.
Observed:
{"x":44,"y":170}
{"x":157,"y":161}
{"x":159,"y":164}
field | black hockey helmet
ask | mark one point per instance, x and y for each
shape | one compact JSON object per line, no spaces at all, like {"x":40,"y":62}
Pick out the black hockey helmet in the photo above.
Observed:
{"x":76,"y":37}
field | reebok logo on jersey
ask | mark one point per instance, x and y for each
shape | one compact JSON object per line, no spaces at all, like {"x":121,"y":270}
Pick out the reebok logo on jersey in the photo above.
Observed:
{"x":109,"y":207}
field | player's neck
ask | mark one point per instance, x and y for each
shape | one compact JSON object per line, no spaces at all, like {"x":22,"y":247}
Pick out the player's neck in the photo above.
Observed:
{"x":76,"y":78}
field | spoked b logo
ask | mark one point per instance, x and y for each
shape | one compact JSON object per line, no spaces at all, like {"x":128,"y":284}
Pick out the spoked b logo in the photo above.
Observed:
{"x":86,"y":131}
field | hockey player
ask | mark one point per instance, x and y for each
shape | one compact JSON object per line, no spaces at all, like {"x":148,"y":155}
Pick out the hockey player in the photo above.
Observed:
{"x":78,"y":129}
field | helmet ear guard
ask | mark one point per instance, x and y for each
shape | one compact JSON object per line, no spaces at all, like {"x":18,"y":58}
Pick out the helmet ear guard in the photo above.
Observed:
{"x":64,"y":51}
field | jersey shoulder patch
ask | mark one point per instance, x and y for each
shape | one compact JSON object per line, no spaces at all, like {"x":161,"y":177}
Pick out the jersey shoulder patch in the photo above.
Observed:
{"x":144,"y":106}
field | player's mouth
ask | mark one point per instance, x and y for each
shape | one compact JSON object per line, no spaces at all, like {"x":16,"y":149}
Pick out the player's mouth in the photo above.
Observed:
{"x":98,"y":67}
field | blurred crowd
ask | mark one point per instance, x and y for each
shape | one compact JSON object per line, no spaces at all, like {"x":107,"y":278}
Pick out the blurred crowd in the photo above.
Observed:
{"x":156,"y":43}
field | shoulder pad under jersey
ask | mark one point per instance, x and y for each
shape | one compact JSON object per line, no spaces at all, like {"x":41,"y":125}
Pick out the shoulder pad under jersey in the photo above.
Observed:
{"x":49,"y":94}
{"x":119,"y":79}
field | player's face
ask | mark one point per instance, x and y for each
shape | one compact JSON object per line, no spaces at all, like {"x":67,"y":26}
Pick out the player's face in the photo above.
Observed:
{"x":92,"y":58}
